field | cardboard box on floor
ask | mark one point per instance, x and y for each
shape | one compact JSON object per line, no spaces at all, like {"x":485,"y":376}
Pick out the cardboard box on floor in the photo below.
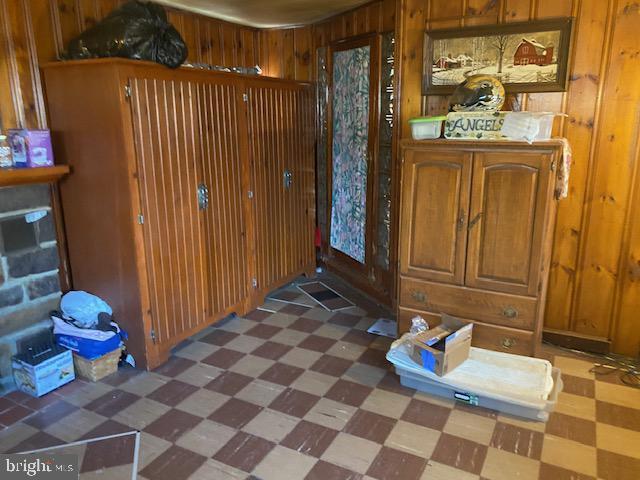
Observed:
{"x":443,"y":348}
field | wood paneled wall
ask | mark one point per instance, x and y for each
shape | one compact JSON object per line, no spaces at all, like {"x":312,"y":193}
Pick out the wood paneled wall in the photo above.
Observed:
{"x":595,"y":280}
{"x":216,"y":42}
{"x":36,"y":31}
{"x":594,"y":287}
{"x":290,"y":53}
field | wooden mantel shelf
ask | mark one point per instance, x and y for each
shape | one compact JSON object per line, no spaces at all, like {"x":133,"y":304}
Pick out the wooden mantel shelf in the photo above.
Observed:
{"x":23,"y":176}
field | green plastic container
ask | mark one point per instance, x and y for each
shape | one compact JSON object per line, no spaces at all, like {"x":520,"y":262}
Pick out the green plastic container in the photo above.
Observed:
{"x":423,"y":128}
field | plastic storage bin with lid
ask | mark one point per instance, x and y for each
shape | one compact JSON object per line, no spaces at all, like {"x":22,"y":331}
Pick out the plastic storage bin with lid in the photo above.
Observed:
{"x":423,"y":128}
{"x":528,"y":126}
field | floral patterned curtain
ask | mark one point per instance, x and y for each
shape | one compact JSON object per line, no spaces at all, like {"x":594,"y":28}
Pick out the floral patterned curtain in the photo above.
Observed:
{"x":349,"y":151}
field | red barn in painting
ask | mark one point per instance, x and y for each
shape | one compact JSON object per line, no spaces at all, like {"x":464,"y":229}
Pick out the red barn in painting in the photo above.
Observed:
{"x":446,"y":62}
{"x":530,"y":52}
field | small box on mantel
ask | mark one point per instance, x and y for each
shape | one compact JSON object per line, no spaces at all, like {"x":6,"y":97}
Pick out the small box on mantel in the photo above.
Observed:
{"x":474,"y":125}
{"x":443,"y":348}
{"x":31,"y":148}
{"x":43,"y":369}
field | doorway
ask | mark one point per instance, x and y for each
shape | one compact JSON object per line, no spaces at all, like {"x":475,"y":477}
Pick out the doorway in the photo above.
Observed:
{"x":354,"y":173}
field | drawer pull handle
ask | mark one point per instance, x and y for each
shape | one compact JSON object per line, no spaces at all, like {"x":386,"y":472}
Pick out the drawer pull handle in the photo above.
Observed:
{"x":508,"y":342}
{"x":510,"y":312}
{"x":419,"y":296}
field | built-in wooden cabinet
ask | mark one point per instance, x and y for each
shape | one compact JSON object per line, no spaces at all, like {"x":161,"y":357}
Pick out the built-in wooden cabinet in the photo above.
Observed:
{"x":475,"y":236}
{"x":191,"y":194}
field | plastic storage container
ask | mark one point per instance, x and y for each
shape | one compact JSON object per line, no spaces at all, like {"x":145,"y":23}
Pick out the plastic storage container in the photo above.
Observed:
{"x":523,"y":386}
{"x":423,"y":128}
{"x":539,"y":412}
{"x":528,"y":126}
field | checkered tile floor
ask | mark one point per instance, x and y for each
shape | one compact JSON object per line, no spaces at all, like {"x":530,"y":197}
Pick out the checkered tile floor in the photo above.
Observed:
{"x":306,"y":393}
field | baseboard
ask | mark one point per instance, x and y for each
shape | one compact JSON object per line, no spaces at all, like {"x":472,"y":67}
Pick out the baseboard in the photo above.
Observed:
{"x":375,"y":291}
{"x":577,"y":341}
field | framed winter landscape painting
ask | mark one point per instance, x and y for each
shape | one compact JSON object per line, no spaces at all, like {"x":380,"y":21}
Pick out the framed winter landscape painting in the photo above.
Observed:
{"x":526,"y":57}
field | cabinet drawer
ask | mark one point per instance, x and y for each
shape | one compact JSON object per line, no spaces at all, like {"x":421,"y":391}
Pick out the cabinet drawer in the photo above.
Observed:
{"x":491,"y":337}
{"x":496,"y":308}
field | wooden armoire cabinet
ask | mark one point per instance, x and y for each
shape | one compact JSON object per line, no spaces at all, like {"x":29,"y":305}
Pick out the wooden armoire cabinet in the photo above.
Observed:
{"x":191,"y":195}
{"x":476,"y":227}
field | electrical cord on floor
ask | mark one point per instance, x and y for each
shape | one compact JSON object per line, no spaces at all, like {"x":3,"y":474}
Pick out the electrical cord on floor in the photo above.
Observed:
{"x":610,"y":364}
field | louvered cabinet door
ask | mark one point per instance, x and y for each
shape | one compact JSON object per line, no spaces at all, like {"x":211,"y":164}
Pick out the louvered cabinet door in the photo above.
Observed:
{"x":511,"y":195}
{"x":281,"y":153}
{"x":165,"y":119}
{"x":225,"y":216}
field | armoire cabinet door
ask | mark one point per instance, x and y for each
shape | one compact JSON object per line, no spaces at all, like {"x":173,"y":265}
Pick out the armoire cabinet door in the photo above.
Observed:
{"x":510,"y":195}
{"x":165,"y":124}
{"x":280,"y":130}
{"x":436,"y":187}
{"x":225,"y":216}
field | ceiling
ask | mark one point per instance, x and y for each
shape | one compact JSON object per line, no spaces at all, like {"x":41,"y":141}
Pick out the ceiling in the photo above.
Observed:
{"x":267,"y":13}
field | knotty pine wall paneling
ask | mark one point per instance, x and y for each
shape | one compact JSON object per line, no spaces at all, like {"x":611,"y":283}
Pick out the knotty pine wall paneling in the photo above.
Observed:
{"x":216,"y":42}
{"x":290,"y":52}
{"x":33,"y":32}
{"x":594,"y":287}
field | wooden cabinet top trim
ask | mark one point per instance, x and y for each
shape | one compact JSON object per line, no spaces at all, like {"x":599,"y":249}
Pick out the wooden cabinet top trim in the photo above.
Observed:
{"x":481,"y":145}
{"x":151,"y":66}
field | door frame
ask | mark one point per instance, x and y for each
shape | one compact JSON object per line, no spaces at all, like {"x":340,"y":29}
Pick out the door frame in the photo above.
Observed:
{"x":357,"y":273}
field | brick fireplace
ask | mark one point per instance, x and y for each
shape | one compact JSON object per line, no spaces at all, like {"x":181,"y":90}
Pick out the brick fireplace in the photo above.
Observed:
{"x":29,"y":280}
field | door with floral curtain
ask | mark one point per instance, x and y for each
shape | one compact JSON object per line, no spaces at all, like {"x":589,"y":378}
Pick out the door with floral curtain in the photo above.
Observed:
{"x":354,"y":110}
{"x":349,"y":147}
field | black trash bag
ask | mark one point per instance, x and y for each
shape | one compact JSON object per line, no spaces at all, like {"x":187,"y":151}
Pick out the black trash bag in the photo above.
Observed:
{"x":136,"y":30}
